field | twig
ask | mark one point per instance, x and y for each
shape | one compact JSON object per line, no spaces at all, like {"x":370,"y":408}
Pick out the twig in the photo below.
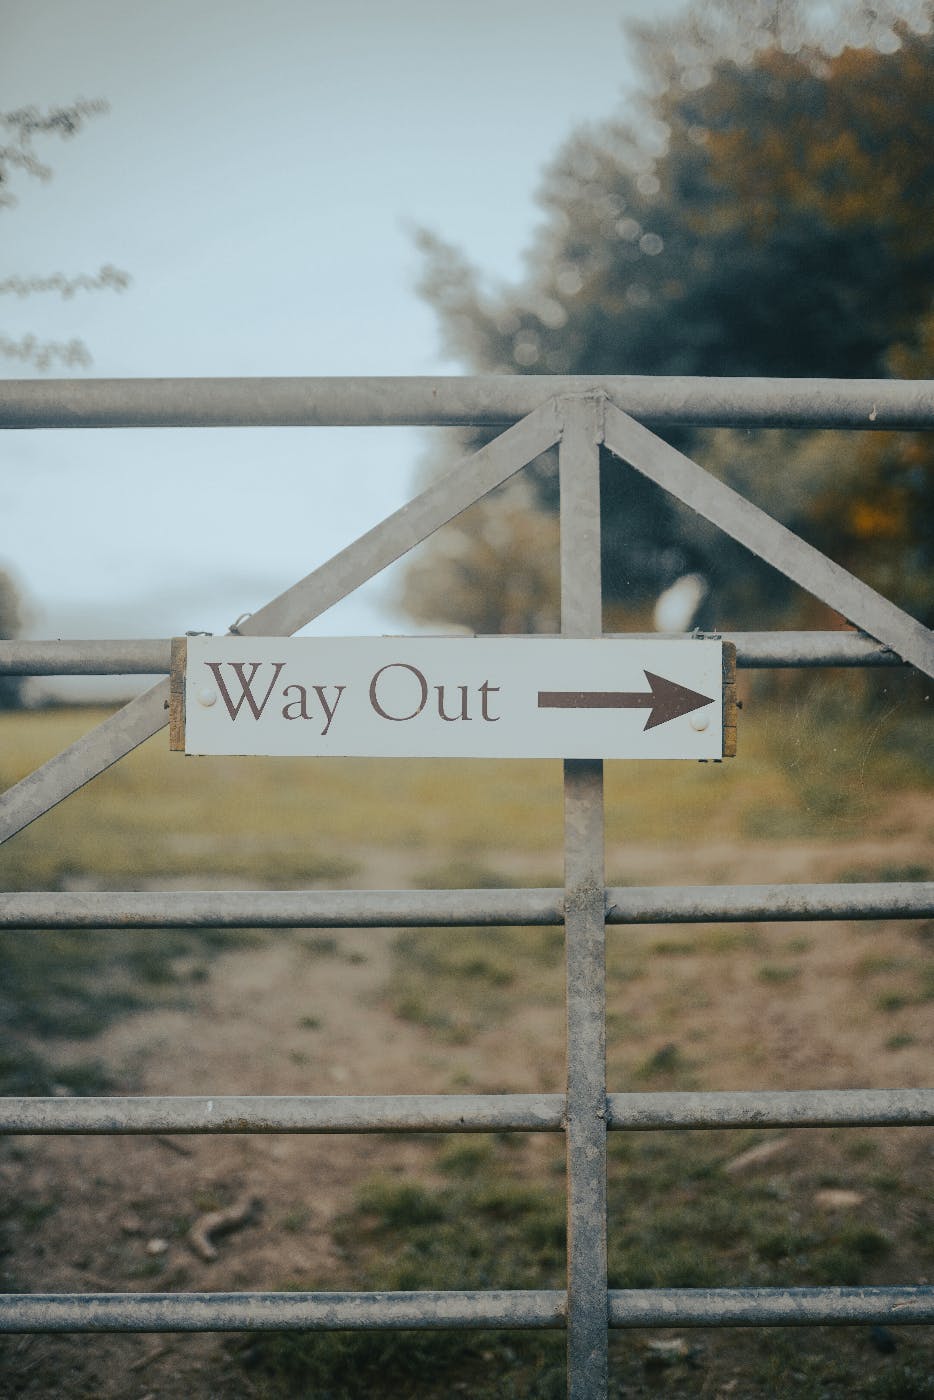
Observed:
{"x":142,"y":1362}
{"x":220,"y":1222}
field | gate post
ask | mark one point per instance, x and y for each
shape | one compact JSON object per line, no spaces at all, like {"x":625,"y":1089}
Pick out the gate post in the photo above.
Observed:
{"x":585,"y":908}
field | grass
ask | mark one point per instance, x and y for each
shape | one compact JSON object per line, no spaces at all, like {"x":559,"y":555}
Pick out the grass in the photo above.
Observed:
{"x":777,"y":973}
{"x":495,"y":1219}
{"x":74,"y":984}
{"x":69,"y":985}
{"x":458,"y":983}
{"x":803,"y":768}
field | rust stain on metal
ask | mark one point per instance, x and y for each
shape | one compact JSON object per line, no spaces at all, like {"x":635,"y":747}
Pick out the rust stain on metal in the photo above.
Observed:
{"x":730,"y":703}
{"x":177,"y":694}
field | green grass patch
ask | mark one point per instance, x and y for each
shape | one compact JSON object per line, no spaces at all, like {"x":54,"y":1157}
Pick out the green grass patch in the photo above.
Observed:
{"x":886,"y":873}
{"x":26,"y":1072}
{"x":676,"y":1220}
{"x":486,"y":1228}
{"x":777,"y":974}
{"x":74,"y":984}
{"x":728,"y":940}
{"x":457,"y":982}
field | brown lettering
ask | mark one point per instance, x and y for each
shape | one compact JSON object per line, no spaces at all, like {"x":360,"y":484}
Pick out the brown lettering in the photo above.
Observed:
{"x":451,"y":718}
{"x":400,"y":666}
{"x":246,"y":685}
{"x":485,"y":690}
{"x":329,"y":709}
{"x":298,"y":704}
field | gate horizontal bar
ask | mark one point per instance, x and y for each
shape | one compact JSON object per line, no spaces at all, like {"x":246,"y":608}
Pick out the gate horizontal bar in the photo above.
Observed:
{"x":271,"y":1312}
{"x":464,"y":1113}
{"x":435,"y":1310}
{"x":459,"y":401}
{"x":140,"y":656}
{"x":298,"y":1113}
{"x":773,"y":1307}
{"x":458,"y":908}
{"x":770,"y":903}
{"x":136,"y":656}
{"x":777,"y":1108}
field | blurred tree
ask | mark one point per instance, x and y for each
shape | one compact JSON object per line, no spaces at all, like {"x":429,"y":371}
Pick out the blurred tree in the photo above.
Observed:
{"x":494,"y":569}
{"x":769,"y":216}
{"x":18,"y":155}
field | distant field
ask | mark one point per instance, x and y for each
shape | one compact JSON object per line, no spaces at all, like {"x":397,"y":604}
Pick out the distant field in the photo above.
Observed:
{"x":809,"y":767}
{"x":823,"y":788}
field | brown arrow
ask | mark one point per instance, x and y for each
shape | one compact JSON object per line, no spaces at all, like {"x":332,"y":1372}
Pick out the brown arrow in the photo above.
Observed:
{"x":664,"y":700}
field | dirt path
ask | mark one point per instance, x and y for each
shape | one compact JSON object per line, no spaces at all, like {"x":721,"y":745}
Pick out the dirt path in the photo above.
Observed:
{"x":306,"y":1013}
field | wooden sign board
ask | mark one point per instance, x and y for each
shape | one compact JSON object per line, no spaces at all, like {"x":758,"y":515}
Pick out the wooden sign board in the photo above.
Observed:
{"x":454,"y":697}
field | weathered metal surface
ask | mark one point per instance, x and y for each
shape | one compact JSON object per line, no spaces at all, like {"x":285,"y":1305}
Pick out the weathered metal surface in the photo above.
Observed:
{"x":282,"y":909}
{"x":521,"y":1309}
{"x":794,"y":1108}
{"x":771,"y":541}
{"x":136,"y":656}
{"x":465,"y":1113}
{"x":459,"y":401}
{"x":276,"y":1312}
{"x":770,"y":903}
{"x":731,"y":703}
{"x":755,"y":650}
{"x":150,"y":657}
{"x":773,"y":1307}
{"x":294,"y":1113}
{"x":585,"y":933}
{"x":177,"y":695}
{"x":688,"y":904}
{"x":305,"y":600}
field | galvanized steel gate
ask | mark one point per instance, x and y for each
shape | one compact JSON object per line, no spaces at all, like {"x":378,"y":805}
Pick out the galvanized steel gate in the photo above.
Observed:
{"x":577,"y":415}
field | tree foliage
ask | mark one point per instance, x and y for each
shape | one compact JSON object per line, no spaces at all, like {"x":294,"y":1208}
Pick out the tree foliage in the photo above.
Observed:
{"x":21,"y":132}
{"x":770,"y":215}
{"x":494,"y":569}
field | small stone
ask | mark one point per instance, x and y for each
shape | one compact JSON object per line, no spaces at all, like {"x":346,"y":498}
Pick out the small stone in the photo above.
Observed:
{"x":838,"y":1199}
{"x":157,"y":1246}
{"x":666,"y":1352}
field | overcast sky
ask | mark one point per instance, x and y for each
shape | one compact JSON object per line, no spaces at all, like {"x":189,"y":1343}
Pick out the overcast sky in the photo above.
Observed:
{"x":259,"y":175}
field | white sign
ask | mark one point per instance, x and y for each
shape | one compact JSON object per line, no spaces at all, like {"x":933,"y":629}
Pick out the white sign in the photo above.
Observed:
{"x":454,"y":697}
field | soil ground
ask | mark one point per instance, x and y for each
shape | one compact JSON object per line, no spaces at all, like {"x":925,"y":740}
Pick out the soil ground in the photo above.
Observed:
{"x":281,"y":1018}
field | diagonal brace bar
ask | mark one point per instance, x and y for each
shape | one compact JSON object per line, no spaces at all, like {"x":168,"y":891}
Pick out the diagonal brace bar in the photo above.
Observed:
{"x":771,"y":541}
{"x":396,"y":535}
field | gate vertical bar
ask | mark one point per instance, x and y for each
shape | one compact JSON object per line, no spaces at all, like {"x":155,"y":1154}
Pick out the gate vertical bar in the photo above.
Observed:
{"x":585,"y":904}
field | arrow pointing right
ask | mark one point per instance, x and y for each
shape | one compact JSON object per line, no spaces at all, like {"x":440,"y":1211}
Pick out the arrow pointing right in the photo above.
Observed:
{"x":664,"y":700}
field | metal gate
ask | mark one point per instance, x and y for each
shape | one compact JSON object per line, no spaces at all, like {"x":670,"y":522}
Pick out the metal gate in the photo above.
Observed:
{"x":578,"y":415}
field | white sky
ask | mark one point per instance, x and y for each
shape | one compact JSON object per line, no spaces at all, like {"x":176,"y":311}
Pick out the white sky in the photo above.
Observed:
{"x":258,"y":176}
